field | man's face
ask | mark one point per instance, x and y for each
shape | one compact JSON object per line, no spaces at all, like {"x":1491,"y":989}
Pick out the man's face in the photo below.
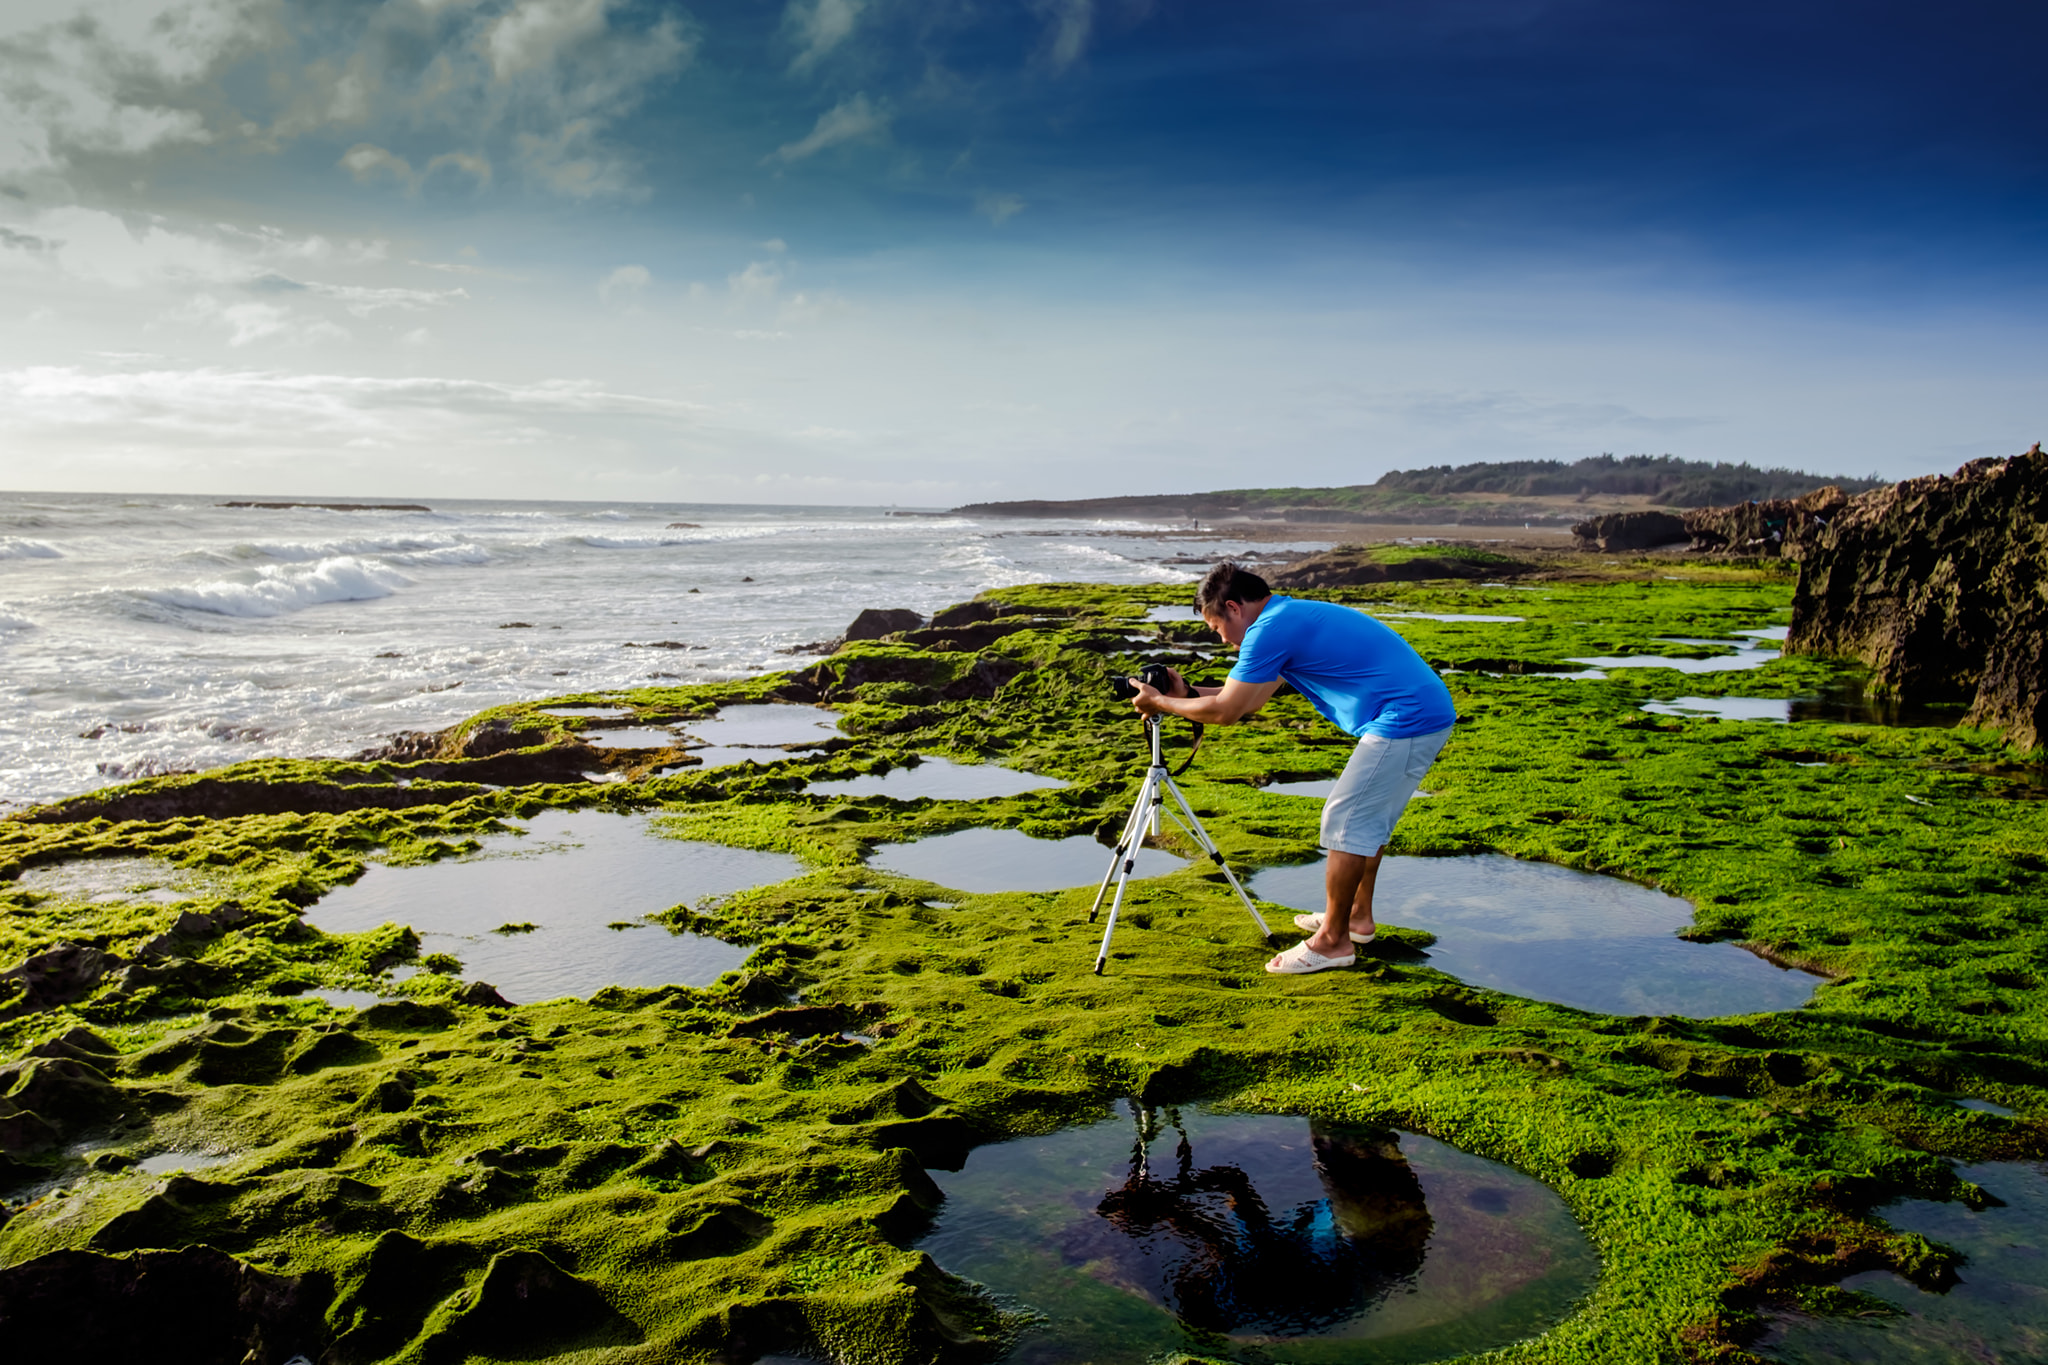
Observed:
{"x":1228,"y":621}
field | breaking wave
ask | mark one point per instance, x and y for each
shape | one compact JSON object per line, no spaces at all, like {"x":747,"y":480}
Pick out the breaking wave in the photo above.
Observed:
{"x":276,"y":589}
{"x":16,"y":547}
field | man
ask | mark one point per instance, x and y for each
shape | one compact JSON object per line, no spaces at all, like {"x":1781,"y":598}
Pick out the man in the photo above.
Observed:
{"x":1361,"y":677}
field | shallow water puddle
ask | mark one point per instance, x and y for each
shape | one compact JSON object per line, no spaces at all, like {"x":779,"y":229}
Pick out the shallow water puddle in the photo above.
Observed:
{"x":941,"y":780}
{"x":1171,"y":614}
{"x":755,"y":733}
{"x":766,"y":723}
{"x":1827,"y":710}
{"x":349,"y":1000}
{"x":1723,"y":708}
{"x":638,"y":737}
{"x":1999,"y":1311}
{"x":164,"y":1163}
{"x":114,"y":879}
{"x":1550,"y":933}
{"x":1259,"y":1238}
{"x":1724,"y":663}
{"x":572,"y":875}
{"x":982,"y":860}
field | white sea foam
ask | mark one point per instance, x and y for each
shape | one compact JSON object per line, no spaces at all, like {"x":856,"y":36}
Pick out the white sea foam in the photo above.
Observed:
{"x":306,"y":552}
{"x":169,"y":638}
{"x":1097,"y":556}
{"x":446,"y":554}
{"x":275,"y":589}
{"x":16,"y":547}
{"x":674,"y":538}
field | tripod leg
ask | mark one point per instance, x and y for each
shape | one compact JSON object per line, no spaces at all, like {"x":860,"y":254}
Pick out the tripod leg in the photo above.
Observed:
{"x":1123,"y":879}
{"x":1208,"y":846}
{"x":1123,"y":872}
{"x":1127,"y":843}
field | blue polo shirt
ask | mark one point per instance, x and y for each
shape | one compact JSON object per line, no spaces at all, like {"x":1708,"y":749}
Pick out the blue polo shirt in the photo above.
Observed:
{"x":1360,"y":675}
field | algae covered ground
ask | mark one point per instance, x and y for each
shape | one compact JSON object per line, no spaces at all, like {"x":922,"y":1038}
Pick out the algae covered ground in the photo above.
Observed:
{"x":720,"y":1172}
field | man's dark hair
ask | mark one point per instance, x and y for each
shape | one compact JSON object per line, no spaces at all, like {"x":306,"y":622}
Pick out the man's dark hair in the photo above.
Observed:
{"x":1229,"y":583}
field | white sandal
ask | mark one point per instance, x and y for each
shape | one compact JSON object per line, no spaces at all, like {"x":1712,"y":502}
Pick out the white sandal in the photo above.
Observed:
{"x":1311,"y":923}
{"x":1302,"y":959}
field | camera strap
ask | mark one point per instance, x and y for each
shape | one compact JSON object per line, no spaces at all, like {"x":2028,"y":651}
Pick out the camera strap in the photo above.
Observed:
{"x":1194,"y":747}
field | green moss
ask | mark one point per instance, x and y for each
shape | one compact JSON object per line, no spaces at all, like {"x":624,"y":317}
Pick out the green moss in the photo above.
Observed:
{"x":712,"y":1161}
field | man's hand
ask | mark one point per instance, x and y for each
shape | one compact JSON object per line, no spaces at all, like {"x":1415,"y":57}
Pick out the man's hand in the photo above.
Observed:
{"x":1219,"y":706}
{"x":1146,"y":698}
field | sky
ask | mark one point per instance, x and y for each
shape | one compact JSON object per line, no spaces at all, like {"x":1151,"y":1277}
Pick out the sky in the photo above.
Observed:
{"x":926,"y":253}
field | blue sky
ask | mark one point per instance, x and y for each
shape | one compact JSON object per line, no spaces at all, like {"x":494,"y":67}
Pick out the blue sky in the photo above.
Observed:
{"x":870,"y":251}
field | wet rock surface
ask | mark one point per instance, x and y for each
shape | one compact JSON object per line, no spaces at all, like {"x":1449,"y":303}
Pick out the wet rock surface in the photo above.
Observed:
{"x":1940,"y":585}
{"x":1355,"y":566}
{"x":1619,"y":531}
{"x":1778,"y":528}
{"x":56,"y":976}
{"x":197,"y":1306}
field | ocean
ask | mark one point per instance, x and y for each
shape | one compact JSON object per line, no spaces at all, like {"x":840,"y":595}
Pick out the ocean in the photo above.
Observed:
{"x":142,"y":635}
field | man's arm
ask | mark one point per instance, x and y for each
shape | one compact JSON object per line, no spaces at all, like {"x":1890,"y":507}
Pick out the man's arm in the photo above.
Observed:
{"x":1212,"y":705}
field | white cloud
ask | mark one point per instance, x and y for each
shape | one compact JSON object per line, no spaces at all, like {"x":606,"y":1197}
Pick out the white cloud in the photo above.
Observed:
{"x":628,"y":282}
{"x":369,"y":163}
{"x":536,"y":31}
{"x":758,"y":283}
{"x":850,"y":120}
{"x":776,"y":245}
{"x":818,"y":27}
{"x":110,"y":77}
{"x":1069,"y":25}
{"x":998,"y":208}
{"x":569,"y":162}
{"x":247,"y":322}
{"x":144,"y":251}
{"x":267,"y":412}
{"x":86,"y":80}
{"x":364,"y":300}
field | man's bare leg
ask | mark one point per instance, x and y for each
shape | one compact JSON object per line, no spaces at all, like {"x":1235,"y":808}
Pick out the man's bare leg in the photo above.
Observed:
{"x":1348,"y":880}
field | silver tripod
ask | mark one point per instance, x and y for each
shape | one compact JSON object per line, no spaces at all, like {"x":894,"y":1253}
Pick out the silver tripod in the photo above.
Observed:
{"x":1144,"y":820}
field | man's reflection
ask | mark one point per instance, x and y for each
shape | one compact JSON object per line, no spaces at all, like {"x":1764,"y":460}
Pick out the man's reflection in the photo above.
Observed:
{"x":1204,"y":1242}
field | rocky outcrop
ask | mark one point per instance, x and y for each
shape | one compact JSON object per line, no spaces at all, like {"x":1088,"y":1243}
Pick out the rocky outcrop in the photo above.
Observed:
{"x":875,"y":622}
{"x":1779,"y":528}
{"x":198,"y":1306}
{"x":1353,"y":565}
{"x":1619,"y":531}
{"x":56,"y":976}
{"x":1940,"y":584}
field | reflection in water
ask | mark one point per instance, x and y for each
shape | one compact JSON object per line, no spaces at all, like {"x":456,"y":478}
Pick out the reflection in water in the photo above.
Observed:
{"x":1257,"y":1238}
{"x":1997,"y":1312}
{"x":983,"y":860}
{"x":940,"y":779}
{"x":638,"y":737}
{"x":586,"y":881}
{"x":756,"y":733}
{"x":1202,"y":1243}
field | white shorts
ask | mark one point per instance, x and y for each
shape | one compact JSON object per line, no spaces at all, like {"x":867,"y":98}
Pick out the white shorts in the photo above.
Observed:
{"x":1360,"y":811}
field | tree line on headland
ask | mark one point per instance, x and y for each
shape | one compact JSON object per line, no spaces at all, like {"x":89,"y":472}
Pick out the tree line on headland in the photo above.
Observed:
{"x":1507,"y":490}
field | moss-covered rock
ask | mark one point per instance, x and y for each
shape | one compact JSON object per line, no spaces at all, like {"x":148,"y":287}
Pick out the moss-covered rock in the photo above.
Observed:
{"x":712,"y":1172}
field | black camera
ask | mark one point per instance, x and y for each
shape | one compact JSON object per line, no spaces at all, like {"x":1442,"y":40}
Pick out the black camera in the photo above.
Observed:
{"x":1154,"y":675}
